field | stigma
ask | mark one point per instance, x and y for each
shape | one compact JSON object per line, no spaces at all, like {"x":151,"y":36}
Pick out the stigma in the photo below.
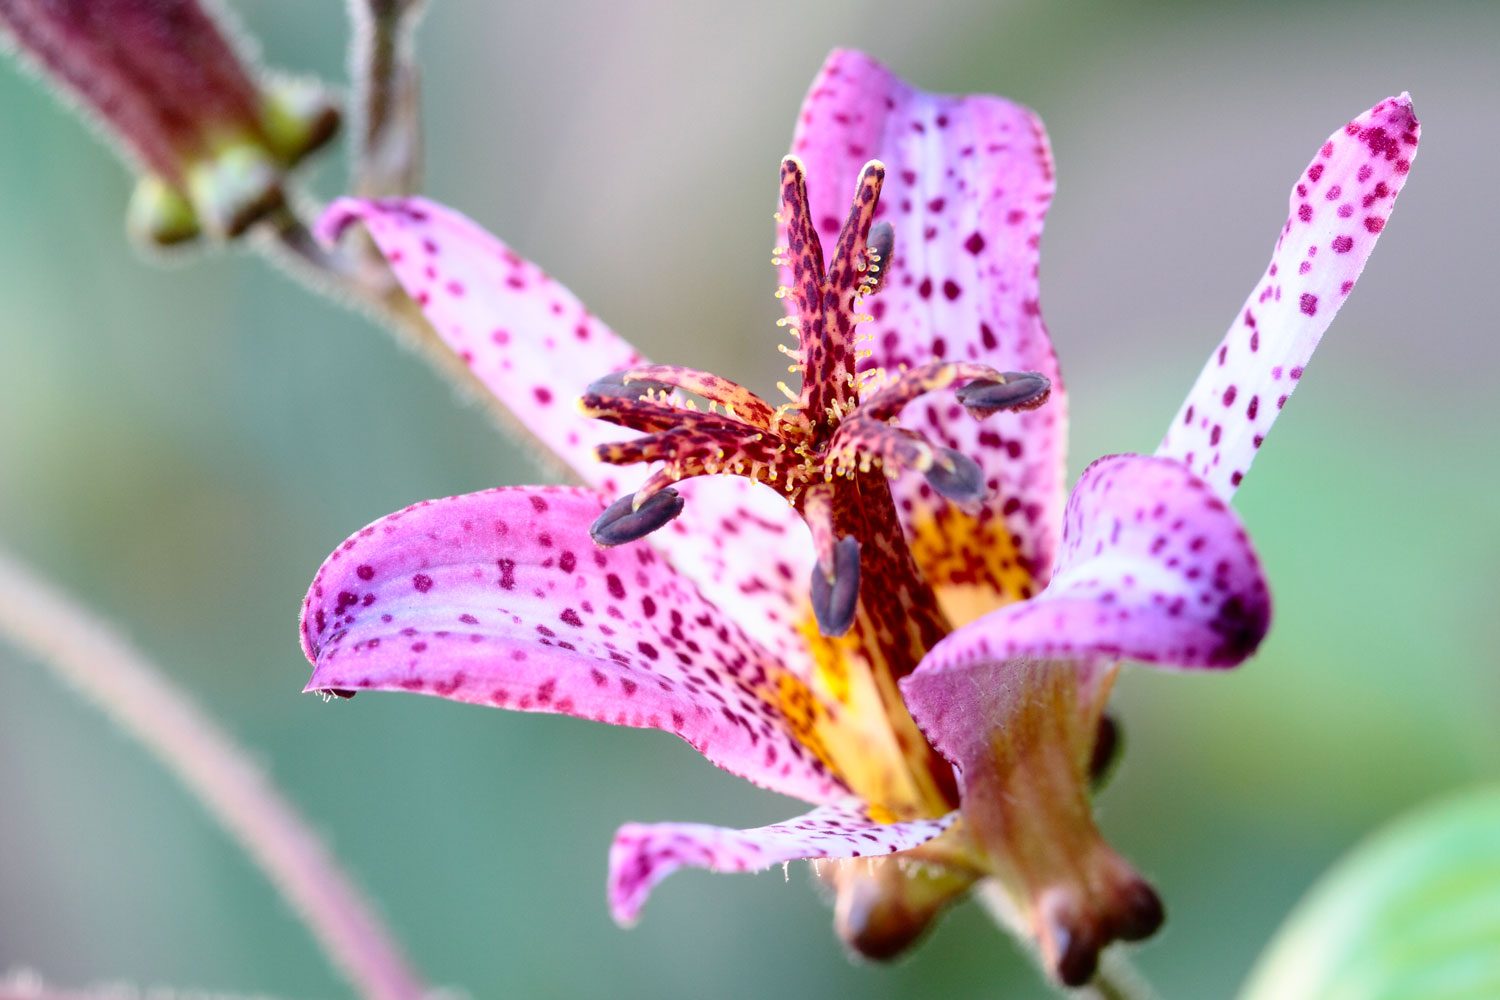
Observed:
{"x":819,"y":448}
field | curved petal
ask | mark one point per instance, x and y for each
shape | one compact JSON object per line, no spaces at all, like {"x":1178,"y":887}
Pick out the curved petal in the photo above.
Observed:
{"x":644,"y":854}
{"x":968,"y":183}
{"x":500,"y":598}
{"x":526,"y":337}
{"x":536,"y":347}
{"x":1338,"y":210}
{"x":1155,"y":567}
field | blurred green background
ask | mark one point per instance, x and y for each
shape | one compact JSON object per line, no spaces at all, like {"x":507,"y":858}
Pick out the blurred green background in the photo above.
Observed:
{"x":182,"y":445}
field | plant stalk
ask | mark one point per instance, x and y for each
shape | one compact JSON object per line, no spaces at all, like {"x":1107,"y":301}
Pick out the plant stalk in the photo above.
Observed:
{"x":104,"y":668}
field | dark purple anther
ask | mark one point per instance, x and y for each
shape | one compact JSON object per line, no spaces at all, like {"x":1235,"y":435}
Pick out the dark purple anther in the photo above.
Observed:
{"x":963,"y":482}
{"x":621,"y":522}
{"x":1012,"y":391}
{"x":614,"y":385}
{"x":880,"y":245}
{"x":834,"y":600}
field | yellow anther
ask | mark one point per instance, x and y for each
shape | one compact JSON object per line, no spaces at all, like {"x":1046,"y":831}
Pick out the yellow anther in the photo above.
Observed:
{"x":788,"y":393}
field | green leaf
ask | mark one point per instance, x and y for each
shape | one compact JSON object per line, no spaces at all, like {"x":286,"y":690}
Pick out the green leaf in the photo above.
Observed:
{"x":1412,"y":912}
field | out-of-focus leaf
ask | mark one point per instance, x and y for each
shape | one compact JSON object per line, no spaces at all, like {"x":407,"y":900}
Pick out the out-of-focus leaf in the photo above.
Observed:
{"x":1413,"y":912}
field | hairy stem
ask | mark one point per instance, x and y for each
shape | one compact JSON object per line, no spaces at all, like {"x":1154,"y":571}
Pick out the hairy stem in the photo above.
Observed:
{"x":104,"y":668}
{"x":27,"y":985}
{"x":1116,"y":979}
{"x":388,"y":154}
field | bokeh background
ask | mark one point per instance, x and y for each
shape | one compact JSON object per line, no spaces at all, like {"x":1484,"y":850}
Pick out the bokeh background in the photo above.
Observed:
{"x":182,"y":445}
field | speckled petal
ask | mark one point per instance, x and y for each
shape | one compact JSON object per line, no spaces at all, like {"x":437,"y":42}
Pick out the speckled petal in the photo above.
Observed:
{"x":1339,"y":207}
{"x":967,"y":187}
{"x":644,"y":854}
{"x":537,"y":349}
{"x":526,"y":337}
{"x":500,"y":598}
{"x":1155,"y":567}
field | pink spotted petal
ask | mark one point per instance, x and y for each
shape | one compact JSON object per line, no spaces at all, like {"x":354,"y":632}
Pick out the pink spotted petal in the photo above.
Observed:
{"x":1339,"y":207}
{"x":526,"y":337}
{"x":644,"y":854}
{"x":968,"y":183}
{"x":750,"y":554}
{"x":1155,"y":567}
{"x":536,"y":348}
{"x":501,"y":598}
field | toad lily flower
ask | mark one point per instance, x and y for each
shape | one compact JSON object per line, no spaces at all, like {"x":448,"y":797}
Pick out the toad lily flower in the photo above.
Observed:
{"x":871,"y":597}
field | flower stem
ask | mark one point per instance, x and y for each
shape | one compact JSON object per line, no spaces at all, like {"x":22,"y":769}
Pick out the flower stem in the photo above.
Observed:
{"x":388,"y":135}
{"x":104,"y":668}
{"x":1116,"y":979}
{"x":24,"y":984}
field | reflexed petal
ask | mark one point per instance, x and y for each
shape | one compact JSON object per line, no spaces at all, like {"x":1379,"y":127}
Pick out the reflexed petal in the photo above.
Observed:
{"x":1338,"y":209}
{"x":644,"y":854}
{"x":537,"y":348}
{"x":500,"y":598}
{"x":968,"y":183}
{"x":526,"y":337}
{"x":1154,"y":567}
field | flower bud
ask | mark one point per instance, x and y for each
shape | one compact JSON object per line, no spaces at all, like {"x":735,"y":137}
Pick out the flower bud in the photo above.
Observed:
{"x":161,"y":77}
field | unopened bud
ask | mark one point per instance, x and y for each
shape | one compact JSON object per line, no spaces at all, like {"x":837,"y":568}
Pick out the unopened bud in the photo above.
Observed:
{"x":623,"y":522}
{"x":166,"y":83}
{"x":298,"y":116}
{"x":233,"y":190}
{"x":160,"y":214}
